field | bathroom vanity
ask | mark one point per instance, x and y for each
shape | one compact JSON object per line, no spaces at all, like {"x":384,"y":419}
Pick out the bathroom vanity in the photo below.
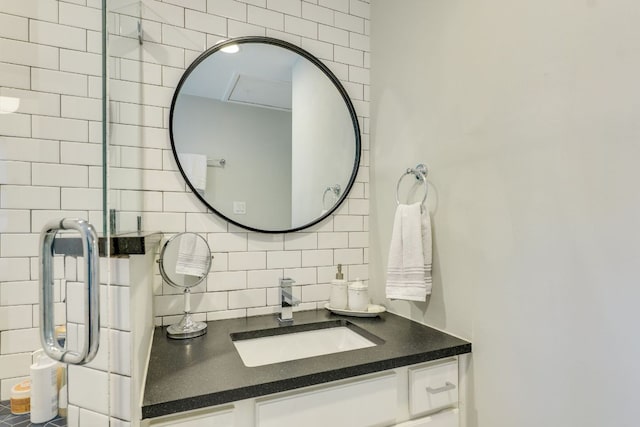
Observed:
{"x":411,"y":377}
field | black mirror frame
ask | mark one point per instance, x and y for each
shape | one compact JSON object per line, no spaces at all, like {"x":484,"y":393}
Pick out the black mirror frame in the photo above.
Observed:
{"x":317,"y":63}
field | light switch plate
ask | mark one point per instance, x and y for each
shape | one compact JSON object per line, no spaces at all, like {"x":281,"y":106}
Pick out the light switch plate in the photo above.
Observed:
{"x":240,"y":208}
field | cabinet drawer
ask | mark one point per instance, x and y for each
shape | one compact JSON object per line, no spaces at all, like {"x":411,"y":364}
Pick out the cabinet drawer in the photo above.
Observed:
{"x":446,"y":418}
{"x":216,"y":418}
{"x":364,"y":403}
{"x":433,"y":387}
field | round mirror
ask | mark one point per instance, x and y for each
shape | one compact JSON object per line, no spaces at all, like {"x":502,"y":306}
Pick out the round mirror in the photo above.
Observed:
{"x":264,"y":134}
{"x":185,"y":261}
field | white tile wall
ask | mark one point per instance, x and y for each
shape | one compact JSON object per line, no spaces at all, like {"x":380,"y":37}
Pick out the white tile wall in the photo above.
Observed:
{"x":50,"y":157}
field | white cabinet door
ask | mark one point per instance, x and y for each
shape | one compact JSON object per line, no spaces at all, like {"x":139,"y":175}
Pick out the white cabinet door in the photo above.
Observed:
{"x":363,"y":403}
{"x":448,"y":418}
{"x":433,"y":387}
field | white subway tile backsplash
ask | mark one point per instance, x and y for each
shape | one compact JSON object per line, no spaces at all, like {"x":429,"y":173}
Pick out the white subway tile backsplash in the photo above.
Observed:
{"x":59,"y":128}
{"x":358,"y":239}
{"x":247,"y":298}
{"x":238,"y":29}
{"x":166,"y":222}
{"x":141,"y":115}
{"x":24,"y":53}
{"x":228,"y":242}
{"x":24,"y":197}
{"x":14,"y":76}
{"x":348,"y":56}
{"x":359,"y":75}
{"x":226,"y":280}
{"x":359,"y":8}
{"x":15,"y":317}
{"x":302,"y":276}
{"x":347,"y":223}
{"x":76,"y":153}
{"x":265,"y":242}
{"x":349,"y":22}
{"x":138,"y":136}
{"x":315,"y":292}
{"x":359,"y":41}
{"x":348,"y":256}
{"x":341,"y":5}
{"x":284,"y":259}
{"x":247,"y":261}
{"x":46,"y":10}
{"x":294,"y":241}
{"x":209,"y":301}
{"x":266,"y":18}
{"x":182,"y":202}
{"x":317,"y":48}
{"x":228,"y":8}
{"x":15,"y":125}
{"x":15,"y":172}
{"x":184,"y":38}
{"x":81,"y":198}
{"x":200,"y":5}
{"x":31,"y":102}
{"x":15,"y":365}
{"x":264,"y":278}
{"x":40,"y":217}
{"x":333,"y":240}
{"x":78,"y":16}
{"x":87,"y":388}
{"x":316,"y":13}
{"x":19,"y":340}
{"x":80,"y":62}
{"x":205,"y":23}
{"x":138,"y":71}
{"x":47,"y":33}
{"x":162,"y":12}
{"x":60,"y":175}
{"x":19,"y":245}
{"x":205,"y":223}
{"x":300,"y":27}
{"x":316,"y":258}
{"x":290,"y":7}
{"x":15,"y":221}
{"x":14,"y":27}
{"x":358,"y":207}
{"x":144,"y":94}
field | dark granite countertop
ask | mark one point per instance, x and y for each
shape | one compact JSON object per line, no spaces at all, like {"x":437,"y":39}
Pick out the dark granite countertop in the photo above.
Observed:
{"x":134,"y":243}
{"x":207,"y":371}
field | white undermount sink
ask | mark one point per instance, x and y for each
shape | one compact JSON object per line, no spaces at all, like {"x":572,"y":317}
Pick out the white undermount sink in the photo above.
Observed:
{"x":291,"y":343}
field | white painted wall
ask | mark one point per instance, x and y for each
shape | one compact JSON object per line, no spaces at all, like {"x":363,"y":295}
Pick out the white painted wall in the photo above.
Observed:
{"x":527,"y":113}
{"x":229,"y":131}
{"x":322,"y":149}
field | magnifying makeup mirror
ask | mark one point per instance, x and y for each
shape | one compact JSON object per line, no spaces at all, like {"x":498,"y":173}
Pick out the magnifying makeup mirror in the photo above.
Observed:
{"x":185,"y":261}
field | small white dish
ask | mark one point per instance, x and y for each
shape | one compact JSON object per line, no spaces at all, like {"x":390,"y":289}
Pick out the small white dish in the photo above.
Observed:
{"x":372,"y":311}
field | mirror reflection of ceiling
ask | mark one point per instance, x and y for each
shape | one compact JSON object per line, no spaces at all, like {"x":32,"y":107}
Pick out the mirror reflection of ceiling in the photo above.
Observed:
{"x":256,"y":76}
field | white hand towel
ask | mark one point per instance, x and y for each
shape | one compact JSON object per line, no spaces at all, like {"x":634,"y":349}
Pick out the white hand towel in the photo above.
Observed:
{"x":195,"y":167}
{"x":193,"y":256}
{"x":410,"y":254}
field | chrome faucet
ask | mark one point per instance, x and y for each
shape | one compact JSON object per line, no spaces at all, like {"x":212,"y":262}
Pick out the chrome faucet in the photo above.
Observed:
{"x":287,"y":301}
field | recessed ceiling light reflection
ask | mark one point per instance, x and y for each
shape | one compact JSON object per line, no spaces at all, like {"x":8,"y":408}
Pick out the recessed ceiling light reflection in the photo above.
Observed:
{"x":232,"y":48}
{"x":9,"y":104}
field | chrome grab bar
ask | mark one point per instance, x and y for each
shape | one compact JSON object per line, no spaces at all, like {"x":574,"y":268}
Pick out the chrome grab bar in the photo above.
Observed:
{"x":92,"y":304}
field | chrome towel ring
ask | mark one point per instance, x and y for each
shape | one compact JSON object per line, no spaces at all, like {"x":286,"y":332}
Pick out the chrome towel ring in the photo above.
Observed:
{"x":420,"y":172}
{"x":334,"y":189}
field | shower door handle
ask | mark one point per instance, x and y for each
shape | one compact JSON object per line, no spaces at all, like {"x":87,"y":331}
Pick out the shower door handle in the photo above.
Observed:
{"x":91,"y":310}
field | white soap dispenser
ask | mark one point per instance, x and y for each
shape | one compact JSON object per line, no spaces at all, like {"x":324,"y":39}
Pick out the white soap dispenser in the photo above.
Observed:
{"x":44,"y":388}
{"x":338,"y":297}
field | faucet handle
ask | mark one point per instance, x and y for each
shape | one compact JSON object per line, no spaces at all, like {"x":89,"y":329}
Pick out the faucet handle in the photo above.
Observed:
{"x":286,"y":281}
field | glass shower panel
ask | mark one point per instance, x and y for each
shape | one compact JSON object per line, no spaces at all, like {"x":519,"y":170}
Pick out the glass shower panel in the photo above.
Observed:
{"x":53,"y":166}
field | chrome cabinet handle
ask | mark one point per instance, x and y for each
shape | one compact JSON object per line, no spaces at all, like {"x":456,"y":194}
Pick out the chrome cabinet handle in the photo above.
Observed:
{"x":92,"y":302}
{"x":446,"y":387}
